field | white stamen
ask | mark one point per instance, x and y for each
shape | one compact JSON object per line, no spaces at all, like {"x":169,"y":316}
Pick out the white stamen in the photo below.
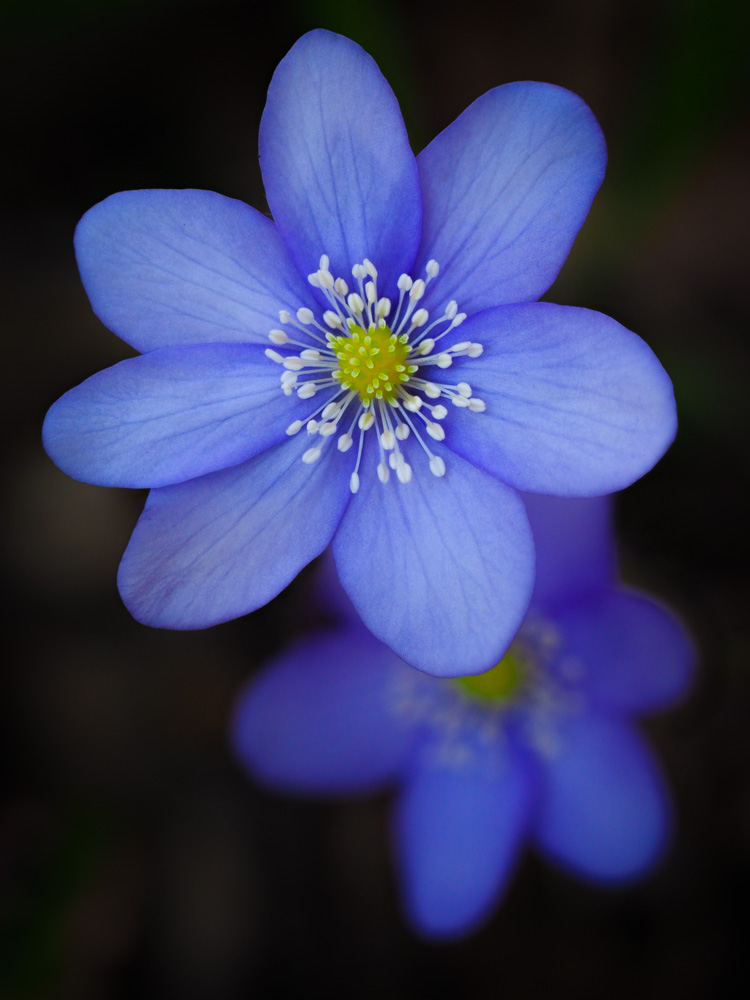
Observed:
{"x":312,"y":426}
{"x":293,"y":363}
{"x":274,"y":356}
{"x":439,"y":412}
{"x":388,"y":440}
{"x":464,"y":388}
{"x":437,"y":466}
{"x":306,"y":390}
{"x":402,"y":432}
{"x":444,"y":361}
{"x":370,"y":268}
{"x":340,"y":287}
{"x":328,"y":428}
{"x":477,"y":405}
{"x":383,"y":473}
{"x":278,"y":337}
{"x":366,"y":420}
{"x":332,"y":319}
{"x":310,"y":354}
{"x":403,"y":471}
{"x":285,"y":316}
{"x":329,"y":410}
{"x":354,"y":482}
{"x":432,"y":268}
{"x":435,"y":431}
{"x":345,"y":442}
{"x":475,"y":350}
{"x":294,"y":428}
{"x":459,"y":401}
{"x":420,"y":317}
{"x":404,"y":283}
{"x":431,"y":390}
{"x":311,"y":455}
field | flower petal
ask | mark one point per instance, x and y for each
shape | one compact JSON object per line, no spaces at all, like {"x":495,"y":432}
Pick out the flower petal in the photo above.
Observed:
{"x":603,"y":809}
{"x":634,"y":655}
{"x":339,"y":174}
{"x":576,"y":404}
{"x":440,"y":570}
{"x":319,"y":719}
{"x":505,"y":189}
{"x":459,"y":825}
{"x":164,"y":268}
{"x":214,"y":548}
{"x":169,"y":416}
{"x":575,"y":547}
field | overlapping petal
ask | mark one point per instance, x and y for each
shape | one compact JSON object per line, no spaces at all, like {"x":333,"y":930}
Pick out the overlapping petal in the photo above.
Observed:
{"x":506,"y":188}
{"x":636,"y":655}
{"x":576,"y":404}
{"x":220,"y":546}
{"x":164,"y":268}
{"x":602,"y":809}
{"x":320,"y":718}
{"x":459,"y":825}
{"x":439,"y":569}
{"x":170,"y":415}
{"x":575,"y":547}
{"x":339,"y":174}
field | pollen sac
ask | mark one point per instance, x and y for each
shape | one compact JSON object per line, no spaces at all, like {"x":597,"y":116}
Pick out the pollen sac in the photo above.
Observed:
{"x":371,"y":362}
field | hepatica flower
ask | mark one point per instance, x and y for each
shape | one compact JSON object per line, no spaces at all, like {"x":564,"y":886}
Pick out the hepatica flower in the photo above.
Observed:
{"x":540,"y":748}
{"x":370,"y":367}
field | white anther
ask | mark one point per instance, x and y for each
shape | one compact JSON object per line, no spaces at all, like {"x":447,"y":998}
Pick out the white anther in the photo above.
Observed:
{"x":324,"y":263}
{"x":477,"y":405}
{"x":431,"y":390}
{"x":311,"y":455}
{"x":288,"y":378}
{"x":464,"y":388}
{"x":287,"y":389}
{"x":435,"y":431}
{"x":370,"y":292}
{"x":425,"y":347}
{"x":285,"y":316}
{"x":439,"y":412}
{"x":461,"y":346}
{"x":444,"y":361}
{"x":359,"y":272}
{"x":292,"y":363}
{"x":341,"y":287}
{"x":388,"y":440}
{"x":414,"y":403}
{"x":383,"y":473}
{"x":370,"y":268}
{"x":437,"y":465}
{"x":417,"y":290}
{"x":314,"y":279}
{"x":383,"y":307}
{"x":311,"y":354}
{"x":274,"y":356}
{"x":345,"y":442}
{"x":332,"y":319}
{"x":475,"y":350}
{"x":404,"y":283}
{"x":366,"y":420}
{"x":278,"y":337}
{"x":326,"y":279}
{"x":354,"y":482}
{"x":459,"y":401}
{"x":294,"y":428}
{"x":355,"y":303}
{"x":403,"y":471}
{"x":329,"y":410}
{"x":328,"y":428}
{"x":393,"y":457}
{"x":451,"y":309}
{"x":458,"y":320}
{"x":420,"y":317}
{"x":402,"y":432}
{"x":312,"y":426}
{"x":432,"y":268}
{"x":305,"y":316}
{"x":307,"y":390}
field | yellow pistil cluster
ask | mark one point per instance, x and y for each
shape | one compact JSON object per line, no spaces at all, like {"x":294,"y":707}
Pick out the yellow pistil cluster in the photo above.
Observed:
{"x":372,"y":362}
{"x":500,"y":684}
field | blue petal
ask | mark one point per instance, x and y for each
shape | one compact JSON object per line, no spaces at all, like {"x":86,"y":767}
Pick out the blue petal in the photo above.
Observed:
{"x":339,"y":174}
{"x":576,"y":404}
{"x":575,"y":547}
{"x":164,"y":268}
{"x":321,"y":718}
{"x":634,"y":655}
{"x":441,"y":570}
{"x":459,"y":826}
{"x":170,"y":415}
{"x":603,"y":809}
{"x":506,"y":188}
{"x":217,"y":547}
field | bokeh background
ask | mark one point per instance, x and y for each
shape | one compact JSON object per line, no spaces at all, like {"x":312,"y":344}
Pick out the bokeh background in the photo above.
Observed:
{"x":135,"y":859}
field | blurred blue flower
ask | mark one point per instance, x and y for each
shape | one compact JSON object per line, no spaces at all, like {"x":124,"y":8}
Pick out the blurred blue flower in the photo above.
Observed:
{"x":357,"y":283}
{"x":541,"y":748}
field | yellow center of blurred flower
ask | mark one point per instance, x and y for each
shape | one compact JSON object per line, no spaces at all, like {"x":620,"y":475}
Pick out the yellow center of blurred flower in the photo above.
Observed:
{"x":500,"y":684}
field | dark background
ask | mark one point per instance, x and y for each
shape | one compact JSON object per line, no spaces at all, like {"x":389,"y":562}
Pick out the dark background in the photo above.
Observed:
{"x":135,"y":859}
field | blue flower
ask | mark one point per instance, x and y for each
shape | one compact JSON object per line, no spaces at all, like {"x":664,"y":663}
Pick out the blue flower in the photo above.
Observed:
{"x":379,"y":272}
{"x":541,"y":748}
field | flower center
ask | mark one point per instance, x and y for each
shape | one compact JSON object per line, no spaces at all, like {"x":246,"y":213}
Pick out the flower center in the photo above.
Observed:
{"x":373,"y":373}
{"x":372,"y":362}
{"x":502,"y":684}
